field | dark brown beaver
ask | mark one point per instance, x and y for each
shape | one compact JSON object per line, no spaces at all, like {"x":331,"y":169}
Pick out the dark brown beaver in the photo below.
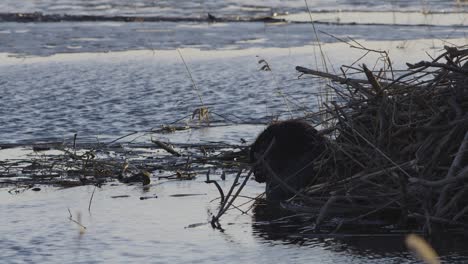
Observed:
{"x":296,"y":144}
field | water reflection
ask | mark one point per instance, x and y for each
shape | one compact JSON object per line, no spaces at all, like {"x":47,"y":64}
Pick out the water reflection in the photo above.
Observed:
{"x":273,"y":225}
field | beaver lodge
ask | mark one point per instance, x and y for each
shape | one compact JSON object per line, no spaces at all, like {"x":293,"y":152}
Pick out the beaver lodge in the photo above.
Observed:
{"x":395,"y":149}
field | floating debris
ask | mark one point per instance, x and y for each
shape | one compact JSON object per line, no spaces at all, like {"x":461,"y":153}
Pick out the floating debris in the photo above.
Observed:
{"x":120,"y":196}
{"x":148,"y":197}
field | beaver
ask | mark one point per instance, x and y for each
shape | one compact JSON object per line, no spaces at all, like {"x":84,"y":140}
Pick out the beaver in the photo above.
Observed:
{"x":296,"y":144}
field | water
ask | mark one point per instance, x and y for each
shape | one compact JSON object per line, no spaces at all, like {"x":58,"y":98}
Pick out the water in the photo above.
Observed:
{"x":106,"y":95}
{"x":36,"y":229}
{"x":106,"y":89}
{"x":218,"y":7}
{"x":122,"y":230}
{"x":105,"y":79}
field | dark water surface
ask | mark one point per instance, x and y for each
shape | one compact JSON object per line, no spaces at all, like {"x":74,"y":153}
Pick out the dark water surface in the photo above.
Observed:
{"x":107,"y":95}
{"x":36,"y":229}
{"x":110,"y":95}
{"x":105,"y":79}
{"x":50,"y":38}
{"x":97,"y":91}
{"x":217,"y":7}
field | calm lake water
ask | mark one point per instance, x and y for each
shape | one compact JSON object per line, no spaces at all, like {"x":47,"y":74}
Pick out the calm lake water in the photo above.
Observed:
{"x":36,"y":229}
{"x":105,"y":79}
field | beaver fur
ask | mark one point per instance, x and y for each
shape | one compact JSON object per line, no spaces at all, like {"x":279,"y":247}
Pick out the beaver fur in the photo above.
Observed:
{"x":296,"y":144}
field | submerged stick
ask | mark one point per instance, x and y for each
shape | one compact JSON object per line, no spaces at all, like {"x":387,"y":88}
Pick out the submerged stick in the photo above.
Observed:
{"x":220,"y":190}
{"x":225,"y":207}
{"x":235,"y":195}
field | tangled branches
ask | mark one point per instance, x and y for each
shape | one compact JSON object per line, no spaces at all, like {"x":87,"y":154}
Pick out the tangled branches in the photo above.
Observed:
{"x":399,"y":144}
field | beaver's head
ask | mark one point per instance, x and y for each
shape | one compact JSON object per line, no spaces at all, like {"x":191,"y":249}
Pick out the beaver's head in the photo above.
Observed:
{"x":295,"y":144}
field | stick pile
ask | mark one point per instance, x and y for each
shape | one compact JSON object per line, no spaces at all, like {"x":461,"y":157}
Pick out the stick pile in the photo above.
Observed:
{"x":398,"y":144}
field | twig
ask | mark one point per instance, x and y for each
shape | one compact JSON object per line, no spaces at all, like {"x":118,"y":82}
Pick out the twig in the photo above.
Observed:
{"x":221,"y":193}
{"x":91,"y":199}
{"x":195,"y":87}
{"x":215,"y":219}
{"x":456,"y":166}
{"x":463,"y":174}
{"x":166,"y":147}
{"x":74,"y":221}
